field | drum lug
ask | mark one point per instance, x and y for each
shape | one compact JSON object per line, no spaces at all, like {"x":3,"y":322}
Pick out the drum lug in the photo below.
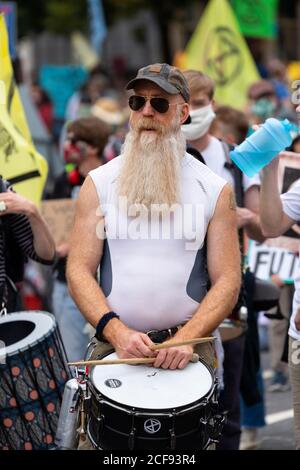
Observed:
{"x":131,"y":439}
{"x":215,"y":427}
{"x":100,"y":426}
{"x":173,"y":439}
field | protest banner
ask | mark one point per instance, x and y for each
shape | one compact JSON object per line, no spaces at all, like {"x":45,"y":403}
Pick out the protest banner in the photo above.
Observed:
{"x":59,"y":215}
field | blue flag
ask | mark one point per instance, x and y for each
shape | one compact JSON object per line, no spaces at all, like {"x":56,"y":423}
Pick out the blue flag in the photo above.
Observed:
{"x":97,"y":23}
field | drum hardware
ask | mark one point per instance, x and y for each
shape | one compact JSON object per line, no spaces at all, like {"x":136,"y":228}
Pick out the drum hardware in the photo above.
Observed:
{"x":215,"y":427}
{"x":243,"y":313}
{"x":172,"y":433}
{"x":81,"y":430}
{"x":130,"y":409}
{"x":3,"y":311}
{"x":69,"y":432}
{"x":66,"y":433}
{"x":131,"y":438}
{"x":100,"y":427}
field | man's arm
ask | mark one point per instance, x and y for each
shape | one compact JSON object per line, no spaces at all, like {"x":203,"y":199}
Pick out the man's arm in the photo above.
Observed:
{"x":86,"y":246}
{"x":248,"y":216}
{"x":274,"y":221}
{"x":224,"y":268}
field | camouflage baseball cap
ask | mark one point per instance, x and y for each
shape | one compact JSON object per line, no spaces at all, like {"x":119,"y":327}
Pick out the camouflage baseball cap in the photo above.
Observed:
{"x":167,"y":77}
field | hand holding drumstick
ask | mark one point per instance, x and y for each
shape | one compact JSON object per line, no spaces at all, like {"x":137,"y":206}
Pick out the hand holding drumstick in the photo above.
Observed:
{"x":146,"y":360}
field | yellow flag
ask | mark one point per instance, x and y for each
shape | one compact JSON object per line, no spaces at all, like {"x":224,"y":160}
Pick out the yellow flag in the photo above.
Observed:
{"x":20,"y":163}
{"x":218,"y":49}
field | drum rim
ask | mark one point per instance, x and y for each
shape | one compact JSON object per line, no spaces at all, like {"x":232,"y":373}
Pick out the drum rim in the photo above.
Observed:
{"x":122,"y":406}
{"x":34,"y":343}
{"x":151,"y":411}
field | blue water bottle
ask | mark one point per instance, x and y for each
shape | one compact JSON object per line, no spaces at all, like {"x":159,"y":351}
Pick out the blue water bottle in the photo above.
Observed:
{"x":262,"y":146}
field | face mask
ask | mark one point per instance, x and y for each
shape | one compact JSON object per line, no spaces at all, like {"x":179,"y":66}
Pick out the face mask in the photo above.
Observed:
{"x":263,"y":108}
{"x":201,"y":121}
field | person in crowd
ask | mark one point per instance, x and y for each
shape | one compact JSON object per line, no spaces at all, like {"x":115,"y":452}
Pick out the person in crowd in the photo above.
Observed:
{"x":83,"y":146}
{"x":295,"y":145}
{"x":80,"y":103}
{"x":229,"y":125}
{"x":44,"y":105}
{"x":215,"y":154}
{"x":153,"y":288}
{"x":23,"y":234}
{"x":264,"y":103}
{"x":277,"y":72}
{"x":278,"y":214}
{"x":277,"y":335}
{"x":112,"y":111}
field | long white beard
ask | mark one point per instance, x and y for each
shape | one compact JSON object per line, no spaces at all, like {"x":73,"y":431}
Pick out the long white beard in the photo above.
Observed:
{"x":150,"y":172}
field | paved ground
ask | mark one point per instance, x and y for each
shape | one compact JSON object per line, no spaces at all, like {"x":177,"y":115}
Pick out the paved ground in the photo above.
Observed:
{"x":278,"y":433}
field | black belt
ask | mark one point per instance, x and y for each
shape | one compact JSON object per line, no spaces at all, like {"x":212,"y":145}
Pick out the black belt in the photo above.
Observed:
{"x":159,"y":336}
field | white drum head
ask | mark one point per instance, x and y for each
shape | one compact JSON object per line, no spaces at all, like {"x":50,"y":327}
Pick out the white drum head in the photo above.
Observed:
{"x":34,"y":325}
{"x":146,"y":387}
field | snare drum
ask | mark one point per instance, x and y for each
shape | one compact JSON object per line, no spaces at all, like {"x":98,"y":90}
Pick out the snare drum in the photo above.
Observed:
{"x":140,"y":407}
{"x":33,"y":374}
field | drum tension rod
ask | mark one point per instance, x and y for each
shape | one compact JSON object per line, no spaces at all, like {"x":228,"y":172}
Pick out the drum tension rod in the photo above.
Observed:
{"x":131,"y":438}
{"x":81,"y":429}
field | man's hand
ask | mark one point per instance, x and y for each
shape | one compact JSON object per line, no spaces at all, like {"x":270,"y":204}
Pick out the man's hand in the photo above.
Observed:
{"x":297,"y":319}
{"x":131,"y":343}
{"x":174,"y":358}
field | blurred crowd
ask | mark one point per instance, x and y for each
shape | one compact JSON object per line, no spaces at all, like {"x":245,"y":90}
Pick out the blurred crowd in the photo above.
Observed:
{"x":91,"y":134}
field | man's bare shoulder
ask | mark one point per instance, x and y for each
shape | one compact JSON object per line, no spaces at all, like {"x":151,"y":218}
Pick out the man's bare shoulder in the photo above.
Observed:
{"x":108,"y":169}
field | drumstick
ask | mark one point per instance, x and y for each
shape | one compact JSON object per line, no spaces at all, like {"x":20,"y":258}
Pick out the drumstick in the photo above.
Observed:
{"x":129,"y":361}
{"x":169,"y":344}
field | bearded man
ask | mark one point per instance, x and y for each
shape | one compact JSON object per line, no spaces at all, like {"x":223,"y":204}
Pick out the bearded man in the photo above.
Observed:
{"x":157,"y":221}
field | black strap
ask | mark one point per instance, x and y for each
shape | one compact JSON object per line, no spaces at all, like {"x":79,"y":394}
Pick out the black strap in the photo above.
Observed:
{"x":195,"y":153}
{"x":236,"y":173}
{"x":239,"y":194}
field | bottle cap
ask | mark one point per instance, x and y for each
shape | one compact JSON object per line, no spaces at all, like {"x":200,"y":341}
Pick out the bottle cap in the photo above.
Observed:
{"x":287,"y":125}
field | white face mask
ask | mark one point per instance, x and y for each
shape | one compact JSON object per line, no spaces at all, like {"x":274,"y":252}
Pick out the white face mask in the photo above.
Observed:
{"x":201,"y":121}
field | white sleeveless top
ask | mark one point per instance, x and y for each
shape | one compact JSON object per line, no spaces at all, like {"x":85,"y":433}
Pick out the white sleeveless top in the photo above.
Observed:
{"x":153,"y":272}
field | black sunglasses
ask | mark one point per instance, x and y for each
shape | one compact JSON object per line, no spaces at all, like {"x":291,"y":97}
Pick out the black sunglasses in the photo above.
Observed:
{"x":161,"y":105}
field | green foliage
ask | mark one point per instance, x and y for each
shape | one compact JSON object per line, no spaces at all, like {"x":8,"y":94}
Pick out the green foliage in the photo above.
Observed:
{"x":65,"y":16}
{"x":59,"y":16}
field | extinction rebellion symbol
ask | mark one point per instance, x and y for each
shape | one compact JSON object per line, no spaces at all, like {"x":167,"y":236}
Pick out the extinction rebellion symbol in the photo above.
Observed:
{"x":223,"y":57}
{"x":152,"y":426}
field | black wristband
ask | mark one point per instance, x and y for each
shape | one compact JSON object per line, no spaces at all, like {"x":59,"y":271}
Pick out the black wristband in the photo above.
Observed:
{"x":102,"y":324}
